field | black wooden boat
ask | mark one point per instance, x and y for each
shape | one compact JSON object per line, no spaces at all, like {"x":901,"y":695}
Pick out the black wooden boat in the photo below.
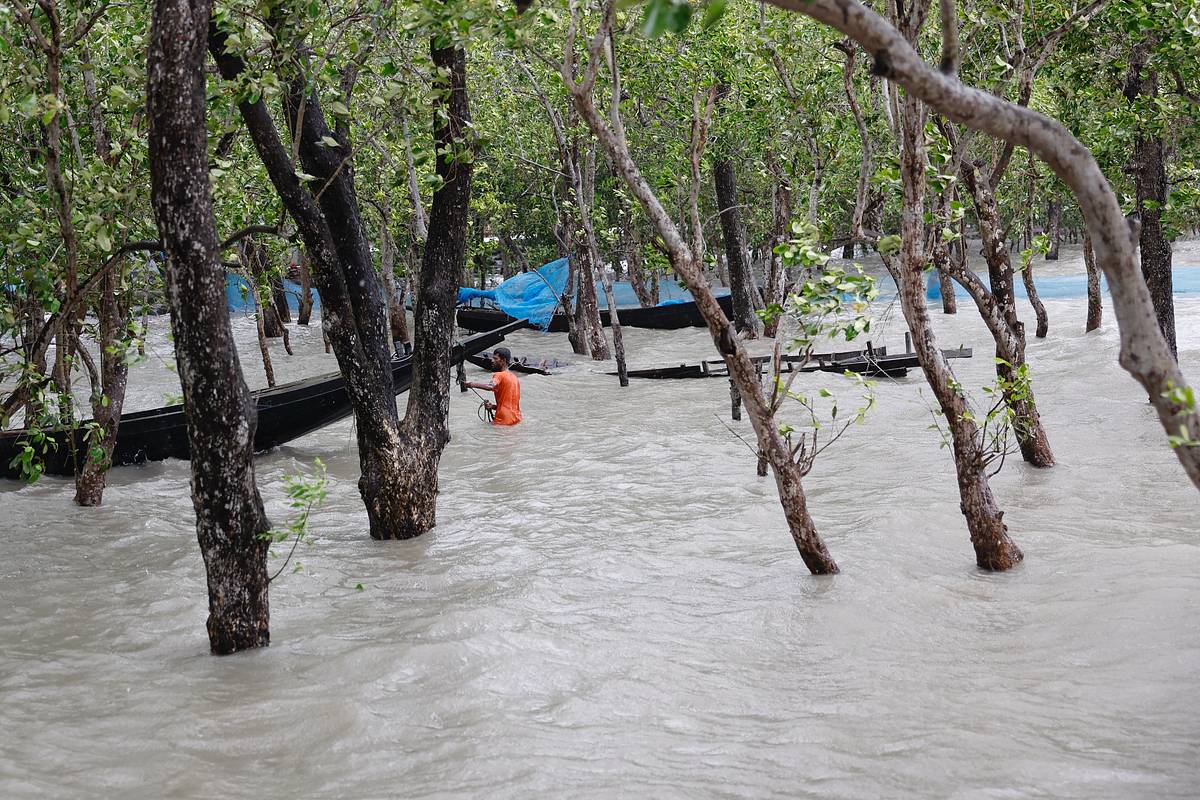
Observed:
{"x":872,"y":362}
{"x":522,"y":365}
{"x":669,"y":317}
{"x":285,"y":412}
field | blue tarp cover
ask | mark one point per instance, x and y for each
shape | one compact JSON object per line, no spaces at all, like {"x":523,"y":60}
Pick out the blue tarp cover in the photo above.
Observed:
{"x":531,"y":295}
{"x":237,"y":294}
{"x":535,"y":296}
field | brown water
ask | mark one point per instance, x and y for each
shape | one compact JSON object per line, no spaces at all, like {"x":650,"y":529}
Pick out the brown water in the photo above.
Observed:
{"x":611,"y":606}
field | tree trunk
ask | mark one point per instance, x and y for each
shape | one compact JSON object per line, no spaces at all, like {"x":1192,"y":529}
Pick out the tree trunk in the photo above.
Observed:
{"x":587,"y":306}
{"x":576,"y":320}
{"x":1039,"y":309}
{"x":940,"y":249}
{"x":687,"y":261}
{"x":514,"y":251}
{"x":636,"y":265}
{"x":744,"y":319}
{"x":304,"y":312}
{"x":230,"y":519}
{"x":994,"y":549}
{"x":108,"y":402}
{"x":945,"y":283}
{"x":254,"y":256}
{"x":353,"y":307}
{"x":407,"y":499}
{"x":397,"y":323}
{"x":1150,"y":183}
{"x":584,"y":184}
{"x":866,"y":164}
{"x":280,"y":300}
{"x":1010,"y":337}
{"x":780,"y":220}
{"x":261,"y":330}
{"x":1095,"y":307}
{"x":1053,"y":226}
{"x":617,"y":334}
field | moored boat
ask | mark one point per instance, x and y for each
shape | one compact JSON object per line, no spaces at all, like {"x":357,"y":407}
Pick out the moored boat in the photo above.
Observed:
{"x":285,"y":413}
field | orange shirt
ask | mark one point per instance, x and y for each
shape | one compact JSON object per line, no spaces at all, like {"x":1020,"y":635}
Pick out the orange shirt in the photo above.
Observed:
{"x":508,"y":398}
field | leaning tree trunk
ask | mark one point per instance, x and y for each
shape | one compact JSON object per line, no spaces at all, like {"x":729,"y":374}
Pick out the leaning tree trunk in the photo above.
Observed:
{"x":426,"y":427}
{"x":1010,"y":342}
{"x":1039,"y":308}
{"x":353,"y":307}
{"x":744,"y":319}
{"x":1095,"y":306}
{"x":688,"y":265}
{"x":230,"y":521}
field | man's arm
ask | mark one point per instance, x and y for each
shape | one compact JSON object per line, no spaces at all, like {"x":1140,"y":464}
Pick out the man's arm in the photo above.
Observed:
{"x":490,"y":386}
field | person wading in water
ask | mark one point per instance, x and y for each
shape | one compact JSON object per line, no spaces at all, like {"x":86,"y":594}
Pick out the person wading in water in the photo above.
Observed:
{"x":505,"y":386}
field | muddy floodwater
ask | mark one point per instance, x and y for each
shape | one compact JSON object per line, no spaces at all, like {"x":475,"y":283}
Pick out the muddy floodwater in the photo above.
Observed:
{"x":611,"y":605}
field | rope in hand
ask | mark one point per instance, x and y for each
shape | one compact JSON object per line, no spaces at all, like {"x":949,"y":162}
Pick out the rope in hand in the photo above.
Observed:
{"x":483,"y":404}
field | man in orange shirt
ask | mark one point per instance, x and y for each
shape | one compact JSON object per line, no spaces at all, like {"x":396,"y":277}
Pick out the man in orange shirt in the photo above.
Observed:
{"x":506,"y":388}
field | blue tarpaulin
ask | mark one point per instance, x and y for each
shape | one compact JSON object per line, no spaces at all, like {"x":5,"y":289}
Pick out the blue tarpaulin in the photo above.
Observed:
{"x":530,"y":295}
{"x":536,"y":295}
{"x":237,"y":294}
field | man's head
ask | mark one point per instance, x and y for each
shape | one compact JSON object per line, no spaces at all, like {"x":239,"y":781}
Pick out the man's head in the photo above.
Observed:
{"x":501,"y":358}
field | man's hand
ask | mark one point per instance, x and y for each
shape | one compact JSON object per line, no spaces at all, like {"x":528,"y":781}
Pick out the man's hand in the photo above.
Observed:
{"x":489,"y":405}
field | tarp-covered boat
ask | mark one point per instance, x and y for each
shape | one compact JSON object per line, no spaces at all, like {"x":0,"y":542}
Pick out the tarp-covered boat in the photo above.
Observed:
{"x":285,"y":413}
{"x":537,"y":296}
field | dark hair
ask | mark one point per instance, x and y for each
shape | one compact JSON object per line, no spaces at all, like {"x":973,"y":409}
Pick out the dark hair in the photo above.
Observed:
{"x":504,"y":353}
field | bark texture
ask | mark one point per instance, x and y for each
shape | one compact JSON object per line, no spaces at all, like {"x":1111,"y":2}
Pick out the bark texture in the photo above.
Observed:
{"x":221,"y":416}
{"x":108,"y":398}
{"x":781,"y":218}
{"x":744,"y":320}
{"x":1150,"y":184}
{"x":999,"y":310}
{"x":1095,"y":305}
{"x":409,"y":499}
